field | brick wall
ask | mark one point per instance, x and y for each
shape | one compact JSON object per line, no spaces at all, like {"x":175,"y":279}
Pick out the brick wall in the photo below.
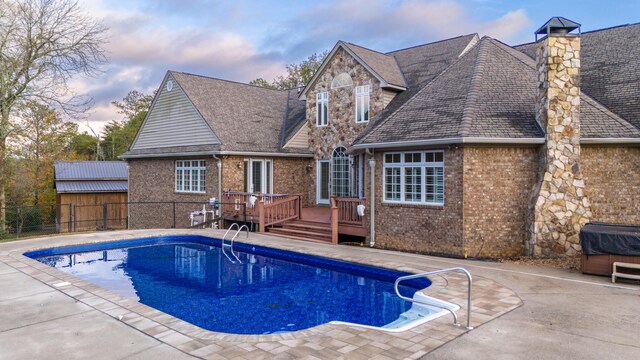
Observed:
{"x":422,"y":228}
{"x":612,"y":177}
{"x":152,"y":180}
{"x":498,"y":186}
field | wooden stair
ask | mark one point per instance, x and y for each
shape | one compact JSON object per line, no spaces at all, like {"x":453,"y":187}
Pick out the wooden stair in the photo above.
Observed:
{"x":304,"y":230}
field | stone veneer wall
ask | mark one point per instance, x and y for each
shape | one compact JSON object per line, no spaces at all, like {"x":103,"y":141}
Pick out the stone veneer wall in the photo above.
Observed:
{"x":497,"y":187}
{"x":560,"y":206}
{"x":342,"y":128}
{"x":423,"y":228}
{"x":153,"y":180}
{"x":612,"y":177}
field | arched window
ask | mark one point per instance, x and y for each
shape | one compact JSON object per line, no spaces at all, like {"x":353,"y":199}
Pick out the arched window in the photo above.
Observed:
{"x":340,"y":173}
{"x":341,"y":80}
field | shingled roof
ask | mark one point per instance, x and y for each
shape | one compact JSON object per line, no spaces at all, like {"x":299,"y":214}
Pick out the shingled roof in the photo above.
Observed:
{"x":610,"y":68}
{"x":383,"y":65}
{"x":244,"y":117}
{"x":489,"y":93}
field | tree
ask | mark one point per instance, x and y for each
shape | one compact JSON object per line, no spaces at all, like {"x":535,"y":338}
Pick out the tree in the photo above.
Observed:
{"x":43,"y":44}
{"x":118,"y":135}
{"x":298,"y":75}
{"x":43,"y":138}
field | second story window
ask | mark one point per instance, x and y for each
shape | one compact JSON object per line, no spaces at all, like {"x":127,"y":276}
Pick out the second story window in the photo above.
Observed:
{"x":362,"y":103}
{"x":322,"y":108}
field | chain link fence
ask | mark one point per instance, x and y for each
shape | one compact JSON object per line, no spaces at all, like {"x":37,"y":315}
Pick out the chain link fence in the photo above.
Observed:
{"x":29,"y":221}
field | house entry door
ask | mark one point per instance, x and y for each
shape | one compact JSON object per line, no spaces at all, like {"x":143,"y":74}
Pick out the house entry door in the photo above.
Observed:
{"x":323,"y":181}
{"x":257,"y":176}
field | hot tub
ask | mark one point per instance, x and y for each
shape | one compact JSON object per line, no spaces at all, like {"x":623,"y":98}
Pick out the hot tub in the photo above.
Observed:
{"x":603,"y":244}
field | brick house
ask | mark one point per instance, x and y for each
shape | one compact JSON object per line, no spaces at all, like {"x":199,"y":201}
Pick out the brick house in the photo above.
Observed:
{"x":473,"y":147}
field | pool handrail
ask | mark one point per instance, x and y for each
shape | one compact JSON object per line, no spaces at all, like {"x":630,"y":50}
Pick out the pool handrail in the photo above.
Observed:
{"x":435,"y":272}
{"x":224,"y":244}
{"x":234,"y":238}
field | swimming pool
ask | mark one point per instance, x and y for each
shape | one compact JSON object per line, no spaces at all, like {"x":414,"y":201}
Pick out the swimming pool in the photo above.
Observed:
{"x":267,"y":291}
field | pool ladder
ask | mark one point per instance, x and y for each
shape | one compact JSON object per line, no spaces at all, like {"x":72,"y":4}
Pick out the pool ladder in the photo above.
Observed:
{"x":230,"y":245}
{"x":425,"y":274}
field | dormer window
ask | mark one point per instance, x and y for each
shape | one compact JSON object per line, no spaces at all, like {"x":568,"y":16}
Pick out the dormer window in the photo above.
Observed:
{"x":322,"y":108}
{"x":341,"y":80}
{"x":362,"y":104}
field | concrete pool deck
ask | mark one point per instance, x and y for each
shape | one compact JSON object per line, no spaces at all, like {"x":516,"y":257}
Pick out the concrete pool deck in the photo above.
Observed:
{"x":518,"y":311}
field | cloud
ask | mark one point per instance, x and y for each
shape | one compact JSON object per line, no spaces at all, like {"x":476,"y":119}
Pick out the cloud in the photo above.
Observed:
{"x":385,"y":26}
{"x":241,"y":41}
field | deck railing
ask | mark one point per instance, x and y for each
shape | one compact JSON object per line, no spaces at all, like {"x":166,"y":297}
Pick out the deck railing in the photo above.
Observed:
{"x":239,"y":201}
{"x":345,"y":218}
{"x":348,"y":211}
{"x":279,"y":211}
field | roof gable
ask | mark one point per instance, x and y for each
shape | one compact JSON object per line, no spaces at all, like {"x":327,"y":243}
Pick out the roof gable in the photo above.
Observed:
{"x":245,"y":117}
{"x":383,"y":67}
{"x":173,"y":120}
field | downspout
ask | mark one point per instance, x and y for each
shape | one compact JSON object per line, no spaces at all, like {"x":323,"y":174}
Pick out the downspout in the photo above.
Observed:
{"x":219,"y":164}
{"x":372,"y":207}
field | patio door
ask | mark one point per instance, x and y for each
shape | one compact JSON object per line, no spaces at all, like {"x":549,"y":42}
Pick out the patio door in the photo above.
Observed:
{"x":257,"y":176}
{"x":323,"y":179}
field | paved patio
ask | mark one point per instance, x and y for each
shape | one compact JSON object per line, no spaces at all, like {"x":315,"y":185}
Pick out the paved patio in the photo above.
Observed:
{"x":565,"y":314}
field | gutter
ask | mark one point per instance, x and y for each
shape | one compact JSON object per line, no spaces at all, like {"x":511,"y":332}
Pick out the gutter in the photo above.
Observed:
{"x":629,"y":141}
{"x":212,"y":153}
{"x":453,"y":140}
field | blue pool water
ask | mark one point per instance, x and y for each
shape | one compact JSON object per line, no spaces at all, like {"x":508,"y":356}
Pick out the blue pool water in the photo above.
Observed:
{"x":270,"y":291}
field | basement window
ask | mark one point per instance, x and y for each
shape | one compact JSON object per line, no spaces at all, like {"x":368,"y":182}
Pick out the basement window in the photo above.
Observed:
{"x":191,"y":176}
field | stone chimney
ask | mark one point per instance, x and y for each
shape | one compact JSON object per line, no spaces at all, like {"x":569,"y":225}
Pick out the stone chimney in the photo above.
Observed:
{"x":559,"y":206}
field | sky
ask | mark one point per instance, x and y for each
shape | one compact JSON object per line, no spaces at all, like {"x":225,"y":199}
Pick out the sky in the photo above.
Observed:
{"x":242,"y":40}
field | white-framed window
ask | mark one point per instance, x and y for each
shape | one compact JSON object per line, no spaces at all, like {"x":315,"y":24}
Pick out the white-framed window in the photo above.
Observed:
{"x":362,"y":103}
{"x":322,"y":108}
{"x":191,"y":176}
{"x":415,"y":177}
{"x":258,"y":176}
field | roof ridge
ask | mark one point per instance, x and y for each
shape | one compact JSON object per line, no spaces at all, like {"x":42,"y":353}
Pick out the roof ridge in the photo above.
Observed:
{"x":366,"y":48}
{"x":474,"y":88}
{"x":283,"y":129}
{"x":584,"y":32}
{"x":431,"y":43}
{"x":518,"y":55}
{"x":376,"y":125}
{"x":225,"y":80}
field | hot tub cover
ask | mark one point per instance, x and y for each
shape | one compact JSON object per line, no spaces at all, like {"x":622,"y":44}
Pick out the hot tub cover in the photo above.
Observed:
{"x":604,"y":239}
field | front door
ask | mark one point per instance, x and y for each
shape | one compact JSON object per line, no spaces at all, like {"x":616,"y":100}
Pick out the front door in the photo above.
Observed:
{"x":323,"y":181}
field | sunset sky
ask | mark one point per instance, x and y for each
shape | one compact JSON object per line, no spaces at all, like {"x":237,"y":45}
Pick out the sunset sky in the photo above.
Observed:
{"x":241,"y":40}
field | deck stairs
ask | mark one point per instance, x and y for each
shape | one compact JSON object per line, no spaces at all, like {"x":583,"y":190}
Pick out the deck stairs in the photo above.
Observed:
{"x":304,"y":230}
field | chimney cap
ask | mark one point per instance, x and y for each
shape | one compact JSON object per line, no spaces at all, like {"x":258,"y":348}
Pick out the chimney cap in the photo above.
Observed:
{"x":557,"y":25}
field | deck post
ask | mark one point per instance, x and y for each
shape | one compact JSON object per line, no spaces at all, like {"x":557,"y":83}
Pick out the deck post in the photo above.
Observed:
{"x":334,"y":221}
{"x":299,"y":207}
{"x":261,"y":219}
